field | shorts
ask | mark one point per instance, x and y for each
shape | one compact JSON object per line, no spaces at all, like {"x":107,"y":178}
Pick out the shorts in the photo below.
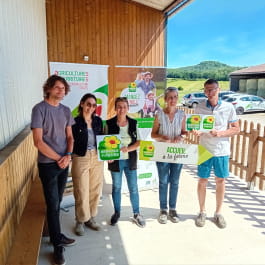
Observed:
{"x":220,"y":165}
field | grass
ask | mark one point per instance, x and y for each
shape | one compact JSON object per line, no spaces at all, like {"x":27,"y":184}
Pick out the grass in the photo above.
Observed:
{"x":192,"y":86}
{"x":188,"y":87}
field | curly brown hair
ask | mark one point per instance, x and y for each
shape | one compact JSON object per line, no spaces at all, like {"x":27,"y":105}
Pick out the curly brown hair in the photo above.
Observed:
{"x":50,"y":82}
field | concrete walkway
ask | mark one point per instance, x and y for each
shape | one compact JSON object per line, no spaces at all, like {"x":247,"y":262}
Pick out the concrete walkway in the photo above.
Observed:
{"x":242,"y":242}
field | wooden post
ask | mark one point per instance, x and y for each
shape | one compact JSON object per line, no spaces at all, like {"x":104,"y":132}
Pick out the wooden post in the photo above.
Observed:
{"x":252,"y":157}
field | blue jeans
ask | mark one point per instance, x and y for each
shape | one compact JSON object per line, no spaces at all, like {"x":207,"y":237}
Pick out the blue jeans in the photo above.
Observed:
{"x":168,"y":174}
{"x":53,"y":180}
{"x":131,"y":176}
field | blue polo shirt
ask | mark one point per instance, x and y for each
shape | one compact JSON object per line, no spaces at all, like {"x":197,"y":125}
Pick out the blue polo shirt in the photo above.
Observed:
{"x":224,"y":113}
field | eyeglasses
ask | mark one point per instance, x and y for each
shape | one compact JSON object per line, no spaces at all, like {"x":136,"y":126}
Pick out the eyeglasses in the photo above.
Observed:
{"x":91,"y":105}
{"x":210,"y":90}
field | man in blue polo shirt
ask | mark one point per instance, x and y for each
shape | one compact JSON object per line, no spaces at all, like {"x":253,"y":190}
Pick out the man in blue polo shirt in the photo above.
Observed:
{"x":217,"y":142}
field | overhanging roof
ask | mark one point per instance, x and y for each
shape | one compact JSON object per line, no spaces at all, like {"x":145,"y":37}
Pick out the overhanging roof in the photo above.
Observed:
{"x":257,"y":69}
{"x":169,"y":7}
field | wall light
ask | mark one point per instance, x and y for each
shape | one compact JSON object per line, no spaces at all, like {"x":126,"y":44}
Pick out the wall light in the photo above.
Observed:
{"x":86,"y":58}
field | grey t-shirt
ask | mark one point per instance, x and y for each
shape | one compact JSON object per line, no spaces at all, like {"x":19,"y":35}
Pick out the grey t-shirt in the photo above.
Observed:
{"x":91,"y":143}
{"x":53,"y":121}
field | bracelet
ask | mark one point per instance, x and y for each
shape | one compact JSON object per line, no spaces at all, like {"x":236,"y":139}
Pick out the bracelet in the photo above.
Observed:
{"x":68,"y":153}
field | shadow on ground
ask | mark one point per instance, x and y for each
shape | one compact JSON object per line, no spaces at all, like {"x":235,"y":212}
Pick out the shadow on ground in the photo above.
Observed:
{"x":249,"y":203}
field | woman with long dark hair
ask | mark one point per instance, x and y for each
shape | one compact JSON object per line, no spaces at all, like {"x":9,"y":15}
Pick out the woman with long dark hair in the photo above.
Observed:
{"x":87,"y":171}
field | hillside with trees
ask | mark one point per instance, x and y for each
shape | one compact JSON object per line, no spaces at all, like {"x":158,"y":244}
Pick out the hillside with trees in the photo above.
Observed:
{"x":203,"y":70}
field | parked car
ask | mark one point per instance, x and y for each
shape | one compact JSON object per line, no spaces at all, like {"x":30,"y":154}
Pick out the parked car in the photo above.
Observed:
{"x":192,"y":99}
{"x":246,"y":103}
{"x":225,"y":94}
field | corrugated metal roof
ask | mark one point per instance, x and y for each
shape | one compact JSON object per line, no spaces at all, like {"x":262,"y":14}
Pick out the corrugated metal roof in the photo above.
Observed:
{"x":250,"y":70}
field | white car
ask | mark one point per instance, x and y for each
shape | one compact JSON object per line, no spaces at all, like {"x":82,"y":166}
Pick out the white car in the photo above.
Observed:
{"x":246,"y":103}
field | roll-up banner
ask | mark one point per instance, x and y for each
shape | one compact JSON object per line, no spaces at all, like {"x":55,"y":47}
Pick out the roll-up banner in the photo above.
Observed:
{"x":84,"y":78}
{"x":144,"y":87}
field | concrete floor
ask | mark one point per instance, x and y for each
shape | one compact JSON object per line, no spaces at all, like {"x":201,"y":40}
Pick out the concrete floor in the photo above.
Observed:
{"x":242,"y":242}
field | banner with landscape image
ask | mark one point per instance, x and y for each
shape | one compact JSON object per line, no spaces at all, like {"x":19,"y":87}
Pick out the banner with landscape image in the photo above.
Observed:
{"x":144,"y":87}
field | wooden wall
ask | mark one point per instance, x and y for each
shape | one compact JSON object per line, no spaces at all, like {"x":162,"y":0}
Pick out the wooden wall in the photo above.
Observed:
{"x":110,"y":32}
{"x":18,"y":169}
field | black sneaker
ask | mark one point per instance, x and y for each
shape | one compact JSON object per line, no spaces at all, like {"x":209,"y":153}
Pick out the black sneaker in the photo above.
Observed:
{"x":162,"y":218}
{"x":58,"y":256}
{"x":139,"y":220}
{"x":173,"y":216}
{"x":114,"y":218}
{"x":66,"y":241}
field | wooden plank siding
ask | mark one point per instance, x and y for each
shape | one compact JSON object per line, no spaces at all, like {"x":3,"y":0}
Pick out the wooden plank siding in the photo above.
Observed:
{"x":111,"y":33}
{"x":17,"y":171}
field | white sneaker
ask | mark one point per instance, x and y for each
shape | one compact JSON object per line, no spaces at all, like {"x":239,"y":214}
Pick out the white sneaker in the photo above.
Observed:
{"x":219,"y":220}
{"x":200,"y":219}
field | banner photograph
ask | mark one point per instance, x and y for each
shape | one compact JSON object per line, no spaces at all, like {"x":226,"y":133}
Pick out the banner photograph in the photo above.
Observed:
{"x":84,"y":78}
{"x":144,"y":88}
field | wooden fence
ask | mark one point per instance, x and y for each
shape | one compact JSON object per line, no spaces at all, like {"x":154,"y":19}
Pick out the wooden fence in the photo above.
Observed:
{"x":247,"y":160}
{"x":248,"y":154}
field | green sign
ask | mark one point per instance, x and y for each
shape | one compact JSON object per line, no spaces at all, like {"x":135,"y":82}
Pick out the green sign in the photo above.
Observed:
{"x":108,"y":147}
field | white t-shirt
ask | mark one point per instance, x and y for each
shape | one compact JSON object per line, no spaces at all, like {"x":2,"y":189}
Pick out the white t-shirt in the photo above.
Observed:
{"x":224,"y":113}
{"x":126,"y":139}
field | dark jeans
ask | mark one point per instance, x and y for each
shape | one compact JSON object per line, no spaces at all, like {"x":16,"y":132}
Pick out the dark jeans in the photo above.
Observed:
{"x":53,"y":180}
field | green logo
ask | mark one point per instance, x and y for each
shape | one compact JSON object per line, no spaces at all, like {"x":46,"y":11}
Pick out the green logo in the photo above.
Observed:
{"x":208,"y":122}
{"x":193,"y":122}
{"x":109,"y":148}
{"x":148,"y":150}
{"x":132,"y":87}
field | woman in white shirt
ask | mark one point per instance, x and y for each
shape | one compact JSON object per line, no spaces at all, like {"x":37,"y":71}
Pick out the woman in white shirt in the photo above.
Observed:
{"x":169,"y":126}
{"x":126,"y":127}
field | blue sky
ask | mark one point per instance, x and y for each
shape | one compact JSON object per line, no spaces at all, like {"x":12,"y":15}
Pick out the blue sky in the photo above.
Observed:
{"x":228,"y":31}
